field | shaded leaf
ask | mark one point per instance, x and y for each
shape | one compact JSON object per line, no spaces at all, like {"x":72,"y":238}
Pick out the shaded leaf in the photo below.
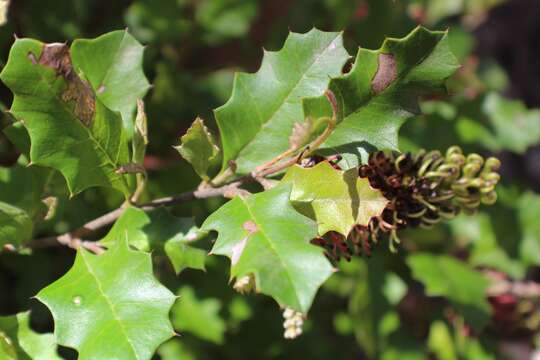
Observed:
{"x":263,"y":235}
{"x":510,"y":125}
{"x":336,"y":200}
{"x":15,"y":225}
{"x":69,"y":128}
{"x":19,"y":342}
{"x":528,"y":214}
{"x":258,"y":119}
{"x":382,"y":90}
{"x":460,"y":284}
{"x":110,"y":306}
{"x":199,"y":317}
{"x":112,"y":64}
{"x":199,"y":148}
{"x":159,"y":230}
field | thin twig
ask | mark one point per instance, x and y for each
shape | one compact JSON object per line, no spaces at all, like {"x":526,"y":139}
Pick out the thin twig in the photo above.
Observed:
{"x":74,"y":240}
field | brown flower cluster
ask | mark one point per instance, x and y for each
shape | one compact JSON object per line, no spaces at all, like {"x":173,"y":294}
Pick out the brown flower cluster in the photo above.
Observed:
{"x":423,"y":189}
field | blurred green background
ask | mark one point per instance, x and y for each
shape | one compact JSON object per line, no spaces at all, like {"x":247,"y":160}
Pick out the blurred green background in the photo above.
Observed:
{"x":373,"y":308}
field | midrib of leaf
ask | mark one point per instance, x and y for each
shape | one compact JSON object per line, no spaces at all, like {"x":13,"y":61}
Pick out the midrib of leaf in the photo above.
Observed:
{"x":111,"y":306}
{"x":87,"y":130}
{"x":286,"y":98}
{"x":283,"y":263}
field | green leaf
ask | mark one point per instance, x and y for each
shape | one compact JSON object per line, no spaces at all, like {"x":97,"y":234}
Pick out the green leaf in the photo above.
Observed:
{"x":440,"y":341}
{"x":24,"y":187}
{"x":381,"y":92}
{"x":19,"y":342}
{"x":460,"y":284}
{"x":486,"y":251}
{"x":16,"y":226}
{"x":223,"y":19}
{"x":336,"y":200}
{"x":199,"y":317}
{"x":511,"y":126}
{"x":199,"y":148}
{"x":258,"y":119}
{"x":110,"y":306}
{"x":264,"y":236}
{"x":112,"y":64}
{"x":159,"y":230}
{"x":69,"y":128}
{"x":528,"y":214}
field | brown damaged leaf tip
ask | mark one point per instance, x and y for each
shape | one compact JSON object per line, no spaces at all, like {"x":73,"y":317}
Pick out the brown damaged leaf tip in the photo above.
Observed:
{"x":386,"y":73}
{"x":56,"y":56}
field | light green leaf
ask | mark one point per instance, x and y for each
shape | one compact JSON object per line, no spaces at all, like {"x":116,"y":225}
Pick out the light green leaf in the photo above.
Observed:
{"x":199,"y":148}
{"x":528,"y":215}
{"x":440,"y":341}
{"x":264,"y":236}
{"x":516,"y":128}
{"x":69,"y":128}
{"x":381,"y":92}
{"x":112,"y":64}
{"x":336,"y":200}
{"x":460,"y":284}
{"x":510,"y":125}
{"x":223,"y":19}
{"x":258,"y":119}
{"x":486,"y":251}
{"x":19,"y":342}
{"x":110,"y":306}
{"x":159,"y":230}
{"x":199,"y":317}
{"x":16,"y":226}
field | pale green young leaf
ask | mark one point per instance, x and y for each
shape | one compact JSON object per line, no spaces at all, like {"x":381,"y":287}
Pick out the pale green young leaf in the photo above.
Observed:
{"x":256,"y":122}
{"x":265,"y":237}
{"x":110,"y":306}
{"x":112,"y":63}
{"x":337,"y":200}
{"x":199,"y":148}
{"x":19,"y":342}
{"x":199,"y":317}
{"x":70,"y":129}
{"x":455,"y":280}
{"x":381,"y":92}
{"x":159,"y":231}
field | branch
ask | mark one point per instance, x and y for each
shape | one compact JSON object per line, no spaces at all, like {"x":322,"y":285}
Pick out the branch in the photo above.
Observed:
{"x":73,"y":239}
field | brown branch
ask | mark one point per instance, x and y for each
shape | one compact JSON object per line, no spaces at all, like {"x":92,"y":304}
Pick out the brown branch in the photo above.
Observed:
{"x":73,"y":239}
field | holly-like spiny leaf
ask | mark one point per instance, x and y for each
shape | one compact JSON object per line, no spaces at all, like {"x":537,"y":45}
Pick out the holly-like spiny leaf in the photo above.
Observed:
{"x":265,"y":237}
{"x":258,"y":119}
{"x":19,"y":342}
{"x":70,"y":128}
{"x":199,"y":148}
{"x":337,"y":200}
{"x":110,"y":306}
{"x":112,"y":64}
{"x":381,"y":92}
{"x":161,"y":231}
